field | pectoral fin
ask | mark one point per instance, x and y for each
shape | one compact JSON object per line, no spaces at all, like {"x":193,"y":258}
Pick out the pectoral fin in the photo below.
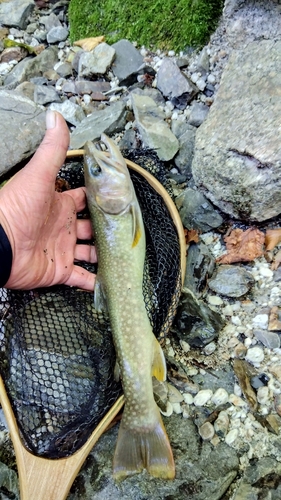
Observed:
{"x":99,"y":297}
{"x":138,"y":230}
{"x":159,"y":369}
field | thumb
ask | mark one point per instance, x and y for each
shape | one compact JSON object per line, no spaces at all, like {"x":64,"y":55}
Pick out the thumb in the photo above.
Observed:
{"x":52,"y":151}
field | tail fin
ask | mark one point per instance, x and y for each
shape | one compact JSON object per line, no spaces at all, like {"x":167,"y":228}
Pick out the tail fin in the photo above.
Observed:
{"x":139,"y":449}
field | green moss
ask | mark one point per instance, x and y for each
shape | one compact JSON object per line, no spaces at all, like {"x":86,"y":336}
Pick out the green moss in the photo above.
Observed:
{"x":165,"y":24}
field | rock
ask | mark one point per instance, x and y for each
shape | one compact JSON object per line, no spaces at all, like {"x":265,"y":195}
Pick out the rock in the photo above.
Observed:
{"x":268,"y":339}
{"x":16,"y":12}
{"x":97,"y":61}
{"x":13,"y":54}
{"x":207,"y":431}
{"x":202,"y":397}
{"x":221,"y":424}
{"x":198,"y":113}
{"x":71,"y":112}
{"x":9,"y":481}
{"x":108,"y":120}
{"x":20,"y":141}
{"x":260,"y":321}
{"x":242,"y":371}
{"x":64,"y":70}
{"x":154,"y":131}
{"x":32,"y":66}
{"x":231,"y":281}
{"x":220,"y":397}
{"x":57,"y":34}
{"x":200,"y":266}
{"x":44,"y":94}
{"x":196,"y":211}
{"x":195,"y":322}
{"x":50,"y":21}
{"x":87,"y":87}
{"x":255,"y":355}
{"x":262,"y":477}
{"x":236,"y":161}
{"x":127,"y":62}
{"x":183,"y":158}
{"x":174,"y":84}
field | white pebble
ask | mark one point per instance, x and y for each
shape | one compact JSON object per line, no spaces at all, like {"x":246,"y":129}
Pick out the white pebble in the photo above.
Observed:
{"x":236,"y":320}
{"x":255,"y":355}
{"x":231,"y":436}
{"x":184,"y":345}
{"x":214,"y":300}
{"x":5,"y":68}
{"x":202,"y":397}
{"x":207,"y":431}
{"x":188,"y":398}
{"x":177,"y":408}
{"x":211,"y":79}
{"x":260,"y":321}
{"x":201,"y":84}
{"x":227,"y":310}
{"x":210,"y":348}
{"x":220,"y":397}
{"x":266,"y":272}
{"x":263,"y":395}
{"x":169,"y":410}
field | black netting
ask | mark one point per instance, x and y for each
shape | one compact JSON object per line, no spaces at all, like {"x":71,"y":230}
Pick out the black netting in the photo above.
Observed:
{"x":57,"y":356}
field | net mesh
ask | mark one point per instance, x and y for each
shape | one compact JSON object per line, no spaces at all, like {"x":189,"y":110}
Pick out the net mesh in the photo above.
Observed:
{"x":56,"y":351}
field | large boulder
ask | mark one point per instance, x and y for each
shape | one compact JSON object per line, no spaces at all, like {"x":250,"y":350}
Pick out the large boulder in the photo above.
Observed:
{"x":237,"y":161}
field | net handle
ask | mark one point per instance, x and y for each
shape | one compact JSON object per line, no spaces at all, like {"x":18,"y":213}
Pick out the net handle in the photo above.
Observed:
{"x":157,"y":186}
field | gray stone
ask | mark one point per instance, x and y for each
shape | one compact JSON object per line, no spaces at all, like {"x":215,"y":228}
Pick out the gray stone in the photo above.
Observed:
{"x":195,"y":322}
{"x":231,"y":281}
{"x":183,"y":158}
{"x":32,"y":67}
{"x":64,"y":70}
{"x":109,"y":120}
{"x":237,"y":159}
{"x":50,"y":21}
{"x":26,"y":89}
{"x":87,"y":87}
{"x":71,"y":112}
{"x":202,"y":471}
{"x":45,"y":95}
{"x":263,"y":476}
{"x":196,"y":211}
{"x":9,"y":481}
{"x":16,"y":12}
{"x":154,"y":131}
{"x":268,"y":339}
{"x":22,"y":127}
{"x":174,"y":84}
{"x":57,"y":34}
{"x":127,"y":62}
{"x":198,"y":113}
{"x":200,"y":266}
{"x":97,"y":61}
{"x":150,"y":92}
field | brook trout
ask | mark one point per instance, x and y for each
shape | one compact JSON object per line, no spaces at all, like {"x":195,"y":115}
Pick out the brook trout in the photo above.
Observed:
{"x":120,"y":241}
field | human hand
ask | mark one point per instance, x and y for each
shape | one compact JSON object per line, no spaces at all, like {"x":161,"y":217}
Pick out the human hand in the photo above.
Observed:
{"x":41,"y":224}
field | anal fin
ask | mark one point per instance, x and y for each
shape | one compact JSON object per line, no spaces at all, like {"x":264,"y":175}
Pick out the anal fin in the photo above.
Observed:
{"x":159,"y":369}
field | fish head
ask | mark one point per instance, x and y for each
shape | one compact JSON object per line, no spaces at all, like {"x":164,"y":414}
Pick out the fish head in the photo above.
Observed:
{"x":107,"y":179}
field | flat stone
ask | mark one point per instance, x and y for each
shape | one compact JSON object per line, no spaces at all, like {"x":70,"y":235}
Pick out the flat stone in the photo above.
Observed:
{"x":108,"y":120}
{"x":268,"y":339}
{"x":87,"y":87}
{"x":32,"y":67}
{"x":57,"y":34}
{"x":127,"y":62}
{"x":174,"y":84}
{"x":21,"y":141}
{"x":154,"y":131}
{"x":198,"y":113}
{"x":97,"y":61}
{"x":237,"y":157}
{"x":196,"y":211}
{"x":71,"y":112}
{"x":231,"y":281}
{"x":44,"y":94}
{"x":15,"y":13}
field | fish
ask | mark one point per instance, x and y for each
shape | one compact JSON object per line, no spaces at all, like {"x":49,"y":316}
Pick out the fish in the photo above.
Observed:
{"x":142,"y":441}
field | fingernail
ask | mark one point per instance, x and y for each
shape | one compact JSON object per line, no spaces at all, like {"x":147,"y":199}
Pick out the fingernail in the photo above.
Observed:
{"x":50,"y":119}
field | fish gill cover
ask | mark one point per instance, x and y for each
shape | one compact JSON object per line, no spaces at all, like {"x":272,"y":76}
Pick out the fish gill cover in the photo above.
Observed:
{"x":56,"y":351}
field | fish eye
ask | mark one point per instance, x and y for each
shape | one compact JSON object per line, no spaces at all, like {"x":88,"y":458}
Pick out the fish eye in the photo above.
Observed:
{"x":95,"y":170}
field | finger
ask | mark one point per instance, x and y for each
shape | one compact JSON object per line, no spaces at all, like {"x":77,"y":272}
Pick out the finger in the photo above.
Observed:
{"x":86,"y":253}
{"x":81,"y":278}
{"x":51,"y":153}
{"x":84,"y":229}
{"x":79,"y":197}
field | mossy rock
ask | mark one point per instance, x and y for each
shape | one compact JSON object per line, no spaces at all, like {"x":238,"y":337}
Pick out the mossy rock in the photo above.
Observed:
{"x":164,"y":24}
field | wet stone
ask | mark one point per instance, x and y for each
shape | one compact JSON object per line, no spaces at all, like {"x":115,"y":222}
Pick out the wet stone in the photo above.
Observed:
{"x":231,"y":281}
